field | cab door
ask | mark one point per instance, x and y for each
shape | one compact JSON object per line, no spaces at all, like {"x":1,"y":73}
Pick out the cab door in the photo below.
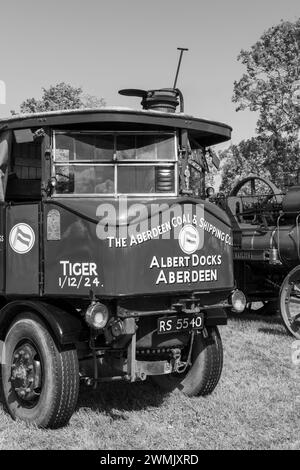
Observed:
{"x":22,"y":249}
{"x":23,"y":195}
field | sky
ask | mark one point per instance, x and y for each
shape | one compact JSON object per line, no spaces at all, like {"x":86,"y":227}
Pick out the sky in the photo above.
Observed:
{"x":106,"y":45}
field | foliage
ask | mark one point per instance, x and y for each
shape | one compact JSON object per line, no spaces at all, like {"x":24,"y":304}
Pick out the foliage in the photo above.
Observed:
{"x":272,"y":70}
{"x":91,"y":101}
{"x":60,"y":96}
{"x":259,"y":156}
{"x":239,"y":161}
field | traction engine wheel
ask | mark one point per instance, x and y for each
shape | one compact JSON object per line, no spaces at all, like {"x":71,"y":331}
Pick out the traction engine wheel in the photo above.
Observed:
{"x":203,"y":375}
{"x":289,"y":302}
{"x":261,"y":191}
{"x":273,"y":191}
{"x":40,"y":382}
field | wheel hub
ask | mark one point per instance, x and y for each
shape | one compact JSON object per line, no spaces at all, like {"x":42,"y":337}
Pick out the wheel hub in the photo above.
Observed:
{"x":26,"y":372}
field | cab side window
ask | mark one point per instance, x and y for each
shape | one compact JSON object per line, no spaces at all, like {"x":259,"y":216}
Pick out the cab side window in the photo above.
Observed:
{"x":24,"y":175}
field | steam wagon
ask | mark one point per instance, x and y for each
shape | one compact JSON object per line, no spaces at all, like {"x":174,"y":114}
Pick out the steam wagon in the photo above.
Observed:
{"x":112,"y":264}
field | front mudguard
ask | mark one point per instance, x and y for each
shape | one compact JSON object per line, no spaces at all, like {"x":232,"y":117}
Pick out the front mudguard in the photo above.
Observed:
{"x":65,"y":325}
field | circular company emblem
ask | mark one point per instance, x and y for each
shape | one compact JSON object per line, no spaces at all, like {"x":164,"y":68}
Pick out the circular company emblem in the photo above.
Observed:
{"x":21,"y":238}
{"x":189,"y":239}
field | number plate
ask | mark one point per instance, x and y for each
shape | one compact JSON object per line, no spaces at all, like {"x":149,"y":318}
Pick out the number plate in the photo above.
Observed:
{"x":179,"y":323}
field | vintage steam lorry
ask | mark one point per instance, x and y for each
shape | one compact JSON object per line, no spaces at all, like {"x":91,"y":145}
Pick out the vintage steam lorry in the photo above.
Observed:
{"x":112,"y":264}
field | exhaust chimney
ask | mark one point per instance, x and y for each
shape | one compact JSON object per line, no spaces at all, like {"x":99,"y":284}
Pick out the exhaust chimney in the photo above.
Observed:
{"x":165,"y":99}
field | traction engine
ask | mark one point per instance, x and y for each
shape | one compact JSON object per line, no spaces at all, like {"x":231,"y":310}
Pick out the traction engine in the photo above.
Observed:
{"x":267,"y":246}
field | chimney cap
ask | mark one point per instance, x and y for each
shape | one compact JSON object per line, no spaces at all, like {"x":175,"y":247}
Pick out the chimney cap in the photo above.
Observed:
{"x":163,"y":99}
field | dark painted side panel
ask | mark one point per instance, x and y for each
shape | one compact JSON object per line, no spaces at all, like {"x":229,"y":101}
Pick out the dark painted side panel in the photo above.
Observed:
{"x":78,"y":260}
{"x":22,"y":249}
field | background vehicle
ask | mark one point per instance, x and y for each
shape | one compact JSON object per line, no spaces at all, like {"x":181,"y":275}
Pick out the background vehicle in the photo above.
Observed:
{"x":267,"y":246}
{"x":112,"y":266}
{"x":266,"y":240}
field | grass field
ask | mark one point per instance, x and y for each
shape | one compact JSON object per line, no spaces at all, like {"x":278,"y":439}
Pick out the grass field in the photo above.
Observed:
{"x":255,"y":406}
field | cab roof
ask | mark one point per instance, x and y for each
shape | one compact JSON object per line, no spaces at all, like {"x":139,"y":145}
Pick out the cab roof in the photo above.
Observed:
{"x":209,"y":132}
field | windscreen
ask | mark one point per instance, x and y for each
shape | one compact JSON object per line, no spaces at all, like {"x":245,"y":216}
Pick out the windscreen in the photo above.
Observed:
{"x":113,"y":163}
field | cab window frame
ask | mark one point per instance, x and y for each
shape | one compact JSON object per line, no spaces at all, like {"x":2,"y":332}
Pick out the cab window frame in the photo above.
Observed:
{"x":117,"y":162}
{"x":25,"y":170}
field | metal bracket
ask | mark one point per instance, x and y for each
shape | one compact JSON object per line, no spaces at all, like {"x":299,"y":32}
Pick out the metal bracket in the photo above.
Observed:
{"x":131,"y":361}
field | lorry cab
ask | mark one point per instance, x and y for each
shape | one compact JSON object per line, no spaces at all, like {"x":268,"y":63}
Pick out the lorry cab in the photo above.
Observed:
{"x":112,"y":263}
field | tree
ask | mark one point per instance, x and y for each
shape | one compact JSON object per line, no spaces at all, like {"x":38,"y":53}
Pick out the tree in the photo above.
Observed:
{"x":258,"y":156}
{"x":239,"y":161}
{"x":91,"y":101}
{"x":267,"y":87}
{"x":272,"y":68}
{"x":60,"y":96}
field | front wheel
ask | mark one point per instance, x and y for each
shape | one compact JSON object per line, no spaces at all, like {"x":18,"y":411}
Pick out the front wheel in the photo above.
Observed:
{"x":40,"y":382}
{"x":205,"y":371}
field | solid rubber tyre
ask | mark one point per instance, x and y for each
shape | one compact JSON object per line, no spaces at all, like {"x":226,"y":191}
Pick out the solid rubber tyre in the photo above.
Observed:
{"x":59,"y":375}
{"x":204,"y":374}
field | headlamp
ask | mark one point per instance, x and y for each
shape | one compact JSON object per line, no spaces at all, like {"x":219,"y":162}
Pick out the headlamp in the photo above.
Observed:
{"x":97,"y":315}
{"x":238,"y":301}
